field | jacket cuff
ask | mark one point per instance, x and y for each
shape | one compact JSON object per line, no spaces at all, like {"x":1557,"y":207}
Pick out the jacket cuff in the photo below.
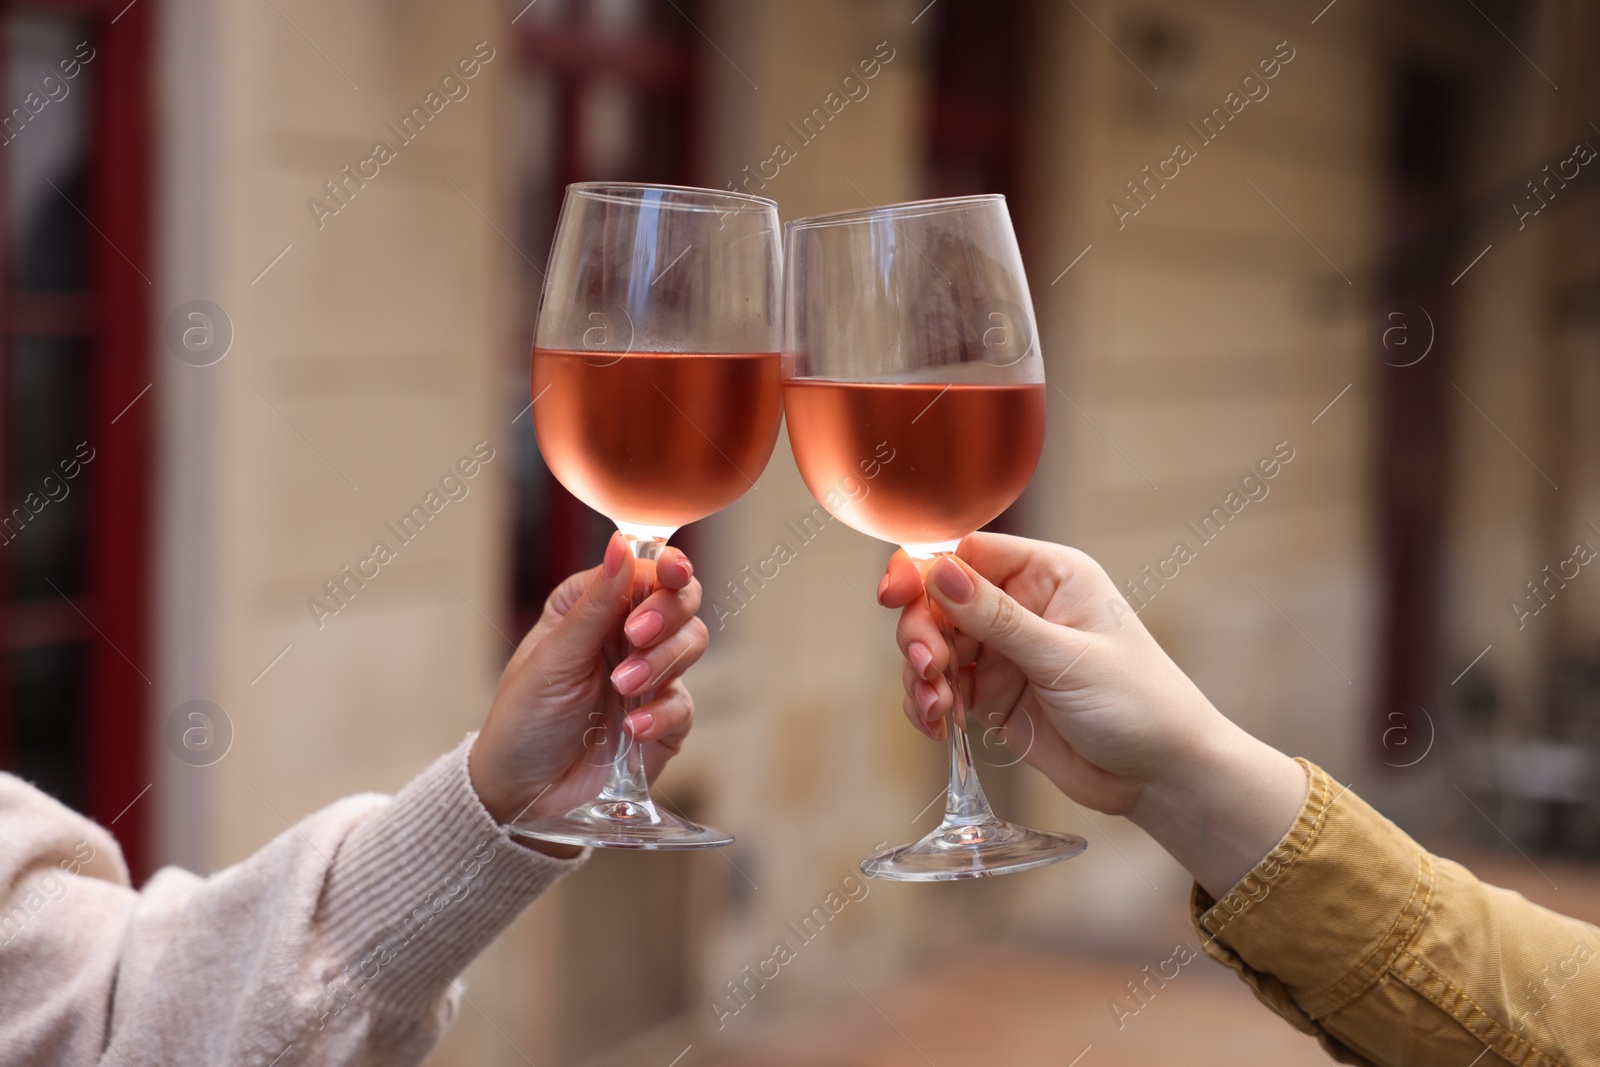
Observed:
{"x":420,"y":888}
{"x":1318,"y":921}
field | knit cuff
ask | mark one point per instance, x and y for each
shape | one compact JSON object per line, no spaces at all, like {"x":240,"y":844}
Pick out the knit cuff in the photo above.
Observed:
{"x":419,"y":889}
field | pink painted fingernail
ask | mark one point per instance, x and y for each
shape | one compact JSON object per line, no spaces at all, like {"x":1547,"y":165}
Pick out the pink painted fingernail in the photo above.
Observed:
{"x":629,"y":675}
{"x":615,"y":551}
{"x":920,"y":657}
{"x":639,"y":722}
{"x":953,"y":581}
{"x":644,"y":627}
{"x":926,"y":696}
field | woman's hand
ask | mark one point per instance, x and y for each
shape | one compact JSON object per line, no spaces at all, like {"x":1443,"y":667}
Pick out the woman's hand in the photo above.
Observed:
{"x":542,"y":749}
{"x":1055,"y":665}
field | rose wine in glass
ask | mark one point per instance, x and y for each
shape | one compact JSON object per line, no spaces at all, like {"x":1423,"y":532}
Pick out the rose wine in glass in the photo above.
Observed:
{"x":657,"y":397}
{"x":658,"y":438}
{"x":911,"y":334}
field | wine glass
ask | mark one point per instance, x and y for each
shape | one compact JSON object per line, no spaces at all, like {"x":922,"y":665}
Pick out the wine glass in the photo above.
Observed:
{"x":656,"y":400}
{"x":912,"y":374}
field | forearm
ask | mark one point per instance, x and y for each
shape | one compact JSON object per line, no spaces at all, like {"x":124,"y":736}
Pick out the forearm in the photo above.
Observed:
{"x":339,"y":939}
{"x":417,"y":891}
{"x":1353,"y":932}
{"x":1223,"y":806}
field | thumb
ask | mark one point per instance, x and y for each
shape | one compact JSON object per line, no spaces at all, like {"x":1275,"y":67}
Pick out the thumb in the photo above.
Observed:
{"x":982,"y":610}
{"x":596,"y":615}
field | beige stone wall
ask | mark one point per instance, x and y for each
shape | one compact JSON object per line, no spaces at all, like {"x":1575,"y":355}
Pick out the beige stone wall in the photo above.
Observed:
{"x":1189,"y":341}
{"x":366,"y":361}
{"x":1523,"y":486}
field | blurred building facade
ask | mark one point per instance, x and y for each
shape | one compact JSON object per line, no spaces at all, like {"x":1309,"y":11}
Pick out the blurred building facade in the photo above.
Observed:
{"x":1316,"y":287}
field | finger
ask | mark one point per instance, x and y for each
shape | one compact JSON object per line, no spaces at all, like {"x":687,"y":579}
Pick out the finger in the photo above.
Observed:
{"x":666,"y":660}
{"x":967,"y":649}
{"x":673,"y":568}
{"x":666,"y":716}
{"x":1000,"y":556}
{"x":661,"y":613}
{"x":561,"y":599}
{"x":594,"y":616}
{"x":901,"y":583}
{"x":985,"y":612}
{"x":920,"y":640}
{"x":935,"y":697}
{"x":918,"y":693}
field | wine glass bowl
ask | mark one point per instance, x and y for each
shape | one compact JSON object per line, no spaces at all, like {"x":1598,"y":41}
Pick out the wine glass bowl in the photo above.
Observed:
{"x":656,"y":388}
{"x":910,"y":334}
{"x":656,"y":440}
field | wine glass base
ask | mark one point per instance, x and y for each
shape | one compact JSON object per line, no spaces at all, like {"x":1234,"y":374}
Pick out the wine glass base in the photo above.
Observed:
{"x":621,"y":824}
{"x":975,"y":851}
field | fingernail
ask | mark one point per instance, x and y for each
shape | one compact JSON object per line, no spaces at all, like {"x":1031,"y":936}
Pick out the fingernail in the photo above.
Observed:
{"x":629,"y":675}
{"x":926,"y":695}
{"x":639,"y":722}
{"x":953,"y":581}
{"x":644,"y":627}
{"x":883,"y":587}
{"x":920,"y":657}
{"x":615,"y":551}
{"x":688,"y":566}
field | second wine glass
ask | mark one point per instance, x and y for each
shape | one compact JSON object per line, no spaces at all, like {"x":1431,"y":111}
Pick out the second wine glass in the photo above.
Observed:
{"x":656,"y":402}
{"x":910,"y":357}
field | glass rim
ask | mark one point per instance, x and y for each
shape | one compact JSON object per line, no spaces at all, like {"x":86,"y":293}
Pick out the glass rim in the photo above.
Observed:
{"x":629,"y":193}
{"x":908,"y":209}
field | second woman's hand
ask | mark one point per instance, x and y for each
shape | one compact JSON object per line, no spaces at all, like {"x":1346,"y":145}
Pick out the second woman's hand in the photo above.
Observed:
{"x":1057,"y":666}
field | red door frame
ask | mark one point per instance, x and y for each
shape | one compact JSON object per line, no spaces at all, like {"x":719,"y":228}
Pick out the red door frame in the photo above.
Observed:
{"x":121,"y":696}
{"x":111,"y":615}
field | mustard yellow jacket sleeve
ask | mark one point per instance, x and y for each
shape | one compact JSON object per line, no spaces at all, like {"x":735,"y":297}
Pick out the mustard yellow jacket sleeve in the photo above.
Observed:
{"x":1394,"y":957}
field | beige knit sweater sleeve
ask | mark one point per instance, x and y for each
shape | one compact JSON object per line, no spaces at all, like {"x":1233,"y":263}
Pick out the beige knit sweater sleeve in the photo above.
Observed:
{"x":335,"y":944}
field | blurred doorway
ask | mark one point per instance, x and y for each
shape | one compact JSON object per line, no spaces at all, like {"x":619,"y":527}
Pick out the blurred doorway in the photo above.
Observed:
{"x":74,"y":478}
{"x":606,"y":91}
{"x":1415,"y":346}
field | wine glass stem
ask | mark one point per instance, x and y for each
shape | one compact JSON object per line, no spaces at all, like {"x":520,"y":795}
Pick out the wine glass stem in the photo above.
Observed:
{"x":964,"y":802}
{"x":626,"y":780}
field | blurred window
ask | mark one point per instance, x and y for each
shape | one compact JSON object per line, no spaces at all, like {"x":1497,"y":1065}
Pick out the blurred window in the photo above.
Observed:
{"x":974,"y":120}
{"x":604,"y":92}
{"x":72,"y":462}
{"x":976,"y":101}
